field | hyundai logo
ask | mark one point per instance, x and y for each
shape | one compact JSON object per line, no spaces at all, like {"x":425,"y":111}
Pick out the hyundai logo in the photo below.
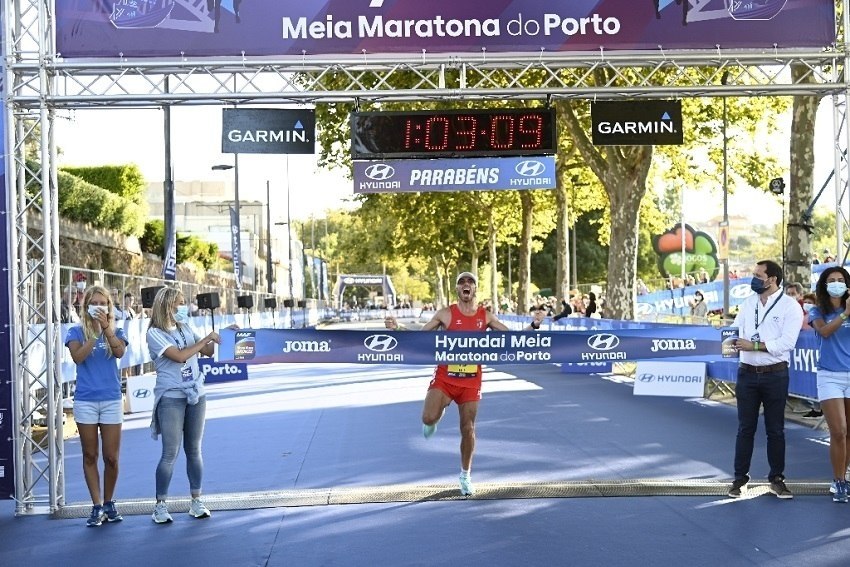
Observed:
{"x":380,"y":172}
{"x":603,"y":341}
{"x":530,"y":168}
{"x":141,"y":393}
{"x":644,"y":309}
{"x":646,"y":377}
{"x":741,"y":291}
{"x":380,"y":343}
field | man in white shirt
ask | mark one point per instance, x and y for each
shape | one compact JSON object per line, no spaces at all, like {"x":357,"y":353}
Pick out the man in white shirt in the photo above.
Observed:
{"x":768,"y":325}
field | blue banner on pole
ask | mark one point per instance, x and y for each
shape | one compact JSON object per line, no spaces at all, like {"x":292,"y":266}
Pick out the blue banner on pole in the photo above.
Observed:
{"x":236,"y":246}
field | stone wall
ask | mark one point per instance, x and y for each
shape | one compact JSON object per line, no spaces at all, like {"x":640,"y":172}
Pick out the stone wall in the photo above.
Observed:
{"x":85,"y":247}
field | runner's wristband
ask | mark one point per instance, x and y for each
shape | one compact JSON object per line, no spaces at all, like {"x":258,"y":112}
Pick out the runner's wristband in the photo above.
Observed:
{"x":755,"y":345}
{"x":842,"y":316}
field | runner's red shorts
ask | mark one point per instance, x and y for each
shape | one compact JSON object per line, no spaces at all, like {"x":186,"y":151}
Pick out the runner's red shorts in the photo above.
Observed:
{"x":458,"y":394}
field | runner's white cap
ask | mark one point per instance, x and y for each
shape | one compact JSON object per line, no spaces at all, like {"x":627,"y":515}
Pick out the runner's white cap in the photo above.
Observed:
{"x":466,"y":275}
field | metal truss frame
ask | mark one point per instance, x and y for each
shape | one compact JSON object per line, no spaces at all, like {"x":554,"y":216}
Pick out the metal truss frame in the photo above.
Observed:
{"x":39,"y":82}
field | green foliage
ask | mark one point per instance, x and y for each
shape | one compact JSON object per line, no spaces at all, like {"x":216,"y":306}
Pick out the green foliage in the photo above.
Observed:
{"x":190,"y":248}
{"x":152,"y":240}
{"x":84,"y":202}
{"x":125,"y":180}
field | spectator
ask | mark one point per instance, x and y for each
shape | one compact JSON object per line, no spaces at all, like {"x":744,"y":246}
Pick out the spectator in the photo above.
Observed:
{"x":180,"y":401}
{"x":829,"y":318}
{"x":566,"y":311}
{"x":768,"y":325}
{"x":590,"y":305}
{"x":699,"y":308}
{"x":95,"y":346}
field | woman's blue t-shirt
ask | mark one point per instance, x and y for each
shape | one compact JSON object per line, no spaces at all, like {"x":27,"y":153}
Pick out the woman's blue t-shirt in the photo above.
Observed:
{"x":835,"y":349}
{"x":98,"y":377}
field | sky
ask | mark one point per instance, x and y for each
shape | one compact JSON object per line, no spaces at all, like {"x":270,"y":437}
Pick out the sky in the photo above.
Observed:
{"x":108,"y":136}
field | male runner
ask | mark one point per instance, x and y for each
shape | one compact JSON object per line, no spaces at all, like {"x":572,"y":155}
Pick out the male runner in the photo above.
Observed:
{"x":460,"y":383}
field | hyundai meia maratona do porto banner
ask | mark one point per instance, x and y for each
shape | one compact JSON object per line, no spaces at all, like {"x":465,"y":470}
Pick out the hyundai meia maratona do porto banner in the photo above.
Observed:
{"x":198,"y":28}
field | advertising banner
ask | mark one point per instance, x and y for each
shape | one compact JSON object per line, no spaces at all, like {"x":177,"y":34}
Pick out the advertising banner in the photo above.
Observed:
{"x":637,"y":123}
{"x":299,"y":28}
{"x":268,"y":131}
{"x":682,"y":379}
{"x":495,"y":347}
{"x":466,"y":174}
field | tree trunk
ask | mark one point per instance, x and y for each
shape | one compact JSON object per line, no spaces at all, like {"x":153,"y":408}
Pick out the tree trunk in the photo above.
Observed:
{"x":562,"y":233}
{"x":622,"y":251}
{"x":798,"y":259}
{"x":494,"y":272}
{"x":524,"y":294}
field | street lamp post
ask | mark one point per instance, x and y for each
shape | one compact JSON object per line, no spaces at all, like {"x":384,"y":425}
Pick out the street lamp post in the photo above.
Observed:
{"x":235,"y":168}
{"x":269,"y":275}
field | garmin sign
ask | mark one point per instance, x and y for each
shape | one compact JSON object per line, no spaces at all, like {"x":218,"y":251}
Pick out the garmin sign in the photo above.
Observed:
{"x":268,"y":131}
{"x":637,"y":123}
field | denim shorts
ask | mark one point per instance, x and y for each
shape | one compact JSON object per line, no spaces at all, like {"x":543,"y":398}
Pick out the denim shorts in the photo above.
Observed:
{"x":833,"y":385}
{"x":110,"y":412}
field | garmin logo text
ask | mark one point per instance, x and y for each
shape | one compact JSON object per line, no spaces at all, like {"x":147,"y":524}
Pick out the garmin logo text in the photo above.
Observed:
{"x":454,"y":176}
{"x":655,"y":127}
{"x":659,"y":345}
{"x":306,"y":346}
{"x":634,"y":123}
{"x":268,"y":136}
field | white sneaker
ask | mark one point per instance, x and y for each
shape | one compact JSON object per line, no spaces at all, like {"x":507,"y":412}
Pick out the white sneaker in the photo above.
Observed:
{"x":198,"y":510}
{"x":466,"y":488}
{"x":160,"y":514}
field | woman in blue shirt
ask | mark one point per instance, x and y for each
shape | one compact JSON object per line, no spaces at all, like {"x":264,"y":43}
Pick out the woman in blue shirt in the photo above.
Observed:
{"x":829,"y":319}
{"x":96,"y":345}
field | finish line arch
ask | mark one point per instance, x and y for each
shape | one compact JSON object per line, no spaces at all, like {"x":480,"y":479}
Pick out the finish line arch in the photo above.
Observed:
{"x":43,"y":76}
{"x":351,"y":280}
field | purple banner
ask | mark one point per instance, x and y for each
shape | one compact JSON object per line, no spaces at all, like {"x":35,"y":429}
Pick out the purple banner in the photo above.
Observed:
{"x":465,"y":174}
{"x":297,"y":28}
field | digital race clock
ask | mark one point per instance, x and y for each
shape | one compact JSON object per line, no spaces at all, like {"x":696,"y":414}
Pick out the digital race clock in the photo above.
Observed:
{"x":453,"y":133}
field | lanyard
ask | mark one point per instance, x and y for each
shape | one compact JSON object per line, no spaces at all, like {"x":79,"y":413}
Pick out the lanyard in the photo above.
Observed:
{"x":772,"y":305}
{"x":186,"y":343}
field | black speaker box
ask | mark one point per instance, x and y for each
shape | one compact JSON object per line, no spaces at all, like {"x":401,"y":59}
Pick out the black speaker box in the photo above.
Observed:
{"x":148,"y":295}
{"x":208,"y":300}
{"x":288,"y":303}
{"x":270,"y":303}
{"x":245,"y":301}
{"x":302,"y":303}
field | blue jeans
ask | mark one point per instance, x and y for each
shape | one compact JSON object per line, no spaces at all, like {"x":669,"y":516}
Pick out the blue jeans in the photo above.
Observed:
{"x":180,"y":421}
{"x":769,"y":389}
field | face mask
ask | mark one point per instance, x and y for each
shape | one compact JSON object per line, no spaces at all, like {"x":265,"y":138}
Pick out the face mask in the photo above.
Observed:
{"x":808,"y":307}
{"x":836,"y":289}
{"x":757,"y":285}
{"x":94,"y":310}
{"x":182,"y":314}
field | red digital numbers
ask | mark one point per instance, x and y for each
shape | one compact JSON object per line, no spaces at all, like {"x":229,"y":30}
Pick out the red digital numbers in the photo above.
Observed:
{"x":453,"y":133}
